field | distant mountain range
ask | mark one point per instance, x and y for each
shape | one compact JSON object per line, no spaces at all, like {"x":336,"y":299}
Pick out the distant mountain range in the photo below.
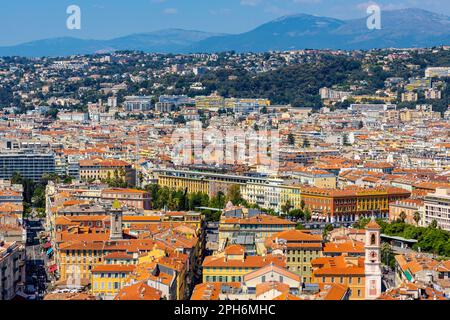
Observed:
{"x":162,"y":41}
{"x":406,"y":28}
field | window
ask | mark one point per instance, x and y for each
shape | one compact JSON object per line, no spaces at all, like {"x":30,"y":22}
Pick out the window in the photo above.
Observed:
{"x":263,"y":279}
{"x":372,"y":239}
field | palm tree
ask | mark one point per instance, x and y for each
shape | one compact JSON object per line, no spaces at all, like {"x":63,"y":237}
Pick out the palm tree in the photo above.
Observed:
{"x":416,"y":217}
{"x":386,"y":252}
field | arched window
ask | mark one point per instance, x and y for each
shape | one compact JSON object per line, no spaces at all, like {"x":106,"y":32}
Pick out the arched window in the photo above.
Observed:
{"x":372,"y":239}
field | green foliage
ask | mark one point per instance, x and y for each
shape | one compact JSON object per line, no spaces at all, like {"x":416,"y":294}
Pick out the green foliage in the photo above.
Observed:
{"x":387,"y":255}
{"x":286,"y":207}
{"x":180,"y":200}
{"x":326,"y":231}
{"x":234,"y":195}
{"x":430,"y":239}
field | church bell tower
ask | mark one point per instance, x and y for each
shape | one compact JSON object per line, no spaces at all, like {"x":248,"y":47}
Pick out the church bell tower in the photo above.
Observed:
{"x":372,"y":262}
{"x":115,"y":232}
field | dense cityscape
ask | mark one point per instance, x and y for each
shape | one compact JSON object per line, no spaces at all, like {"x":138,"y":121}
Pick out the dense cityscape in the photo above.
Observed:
{"x":288,"y":175}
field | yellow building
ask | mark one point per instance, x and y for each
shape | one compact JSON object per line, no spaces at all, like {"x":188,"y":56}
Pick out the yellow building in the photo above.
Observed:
{"x":232,"y":102}
{"x":342,"y":270}
{"x":107,"y":280}
{"x":213,"y":102}
{"x":300,"y":248}
{"x":196,"y":181}
{"x":77,"y":259}
{"x":99,"y":169}
{"x":192,"y":185}
{"x":233,"y":264}
{"x":365,"y":98}
{"x":293,"y":195}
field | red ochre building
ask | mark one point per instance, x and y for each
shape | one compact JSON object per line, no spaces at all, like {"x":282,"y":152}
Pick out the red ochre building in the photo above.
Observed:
{"x":351,"y":203}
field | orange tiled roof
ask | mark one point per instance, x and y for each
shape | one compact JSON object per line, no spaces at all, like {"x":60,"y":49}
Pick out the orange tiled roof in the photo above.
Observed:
{"x":138,"y":291}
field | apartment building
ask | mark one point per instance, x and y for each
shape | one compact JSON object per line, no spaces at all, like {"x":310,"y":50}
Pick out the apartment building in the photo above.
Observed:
{"x":437,"y":207}
{"x":196,"y":181}
{"x":246,"y":105}
{"x":299,"y":247}
{"x":210,"y":102}
{"x":410,"y":96}
{"x":233,"y":264}
{"x":334,"y":95}
{"x":438,"y":72}
{"x":351,"y":203}
{"x":30,"y":164}
{"x":258,"y":227}
{"x":99,"y":169}
{"x":137,"y":103}
{"x":12,"y":269}
{"x":410,"y":207}
{"x":108,"y":279}
{"x":131,"y":198}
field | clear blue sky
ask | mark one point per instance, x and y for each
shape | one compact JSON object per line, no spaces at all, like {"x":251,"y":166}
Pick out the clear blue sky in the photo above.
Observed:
{"x":25,"y":20}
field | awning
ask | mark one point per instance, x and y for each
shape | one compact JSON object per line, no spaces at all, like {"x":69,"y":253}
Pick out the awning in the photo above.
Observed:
{"x":49,"y":251}
{"x":408,"y":275}
{"x":53,"y":268}
{"x":47,"y":245}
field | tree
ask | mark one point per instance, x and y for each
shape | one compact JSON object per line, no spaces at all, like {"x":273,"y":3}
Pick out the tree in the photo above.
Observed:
{"x":433,"y":224}
{"x":307,"y":214}
{"x":286,"y":207}
{"x":16,"y":178}
{"x":387,"y":255}
{"x":264,"y":110}
{"x":38,"y":199}
{"x":416,"y":217}
{"x":326,"y":231}
{"x":299,"y":227}
{"x":361,"y":223}
{"x":234,"y":194}
{"x":218,"y":201}
{"x":297,"y":213}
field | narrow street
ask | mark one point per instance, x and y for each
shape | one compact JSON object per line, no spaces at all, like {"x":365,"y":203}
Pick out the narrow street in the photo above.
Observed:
{"x":36,"y":276}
